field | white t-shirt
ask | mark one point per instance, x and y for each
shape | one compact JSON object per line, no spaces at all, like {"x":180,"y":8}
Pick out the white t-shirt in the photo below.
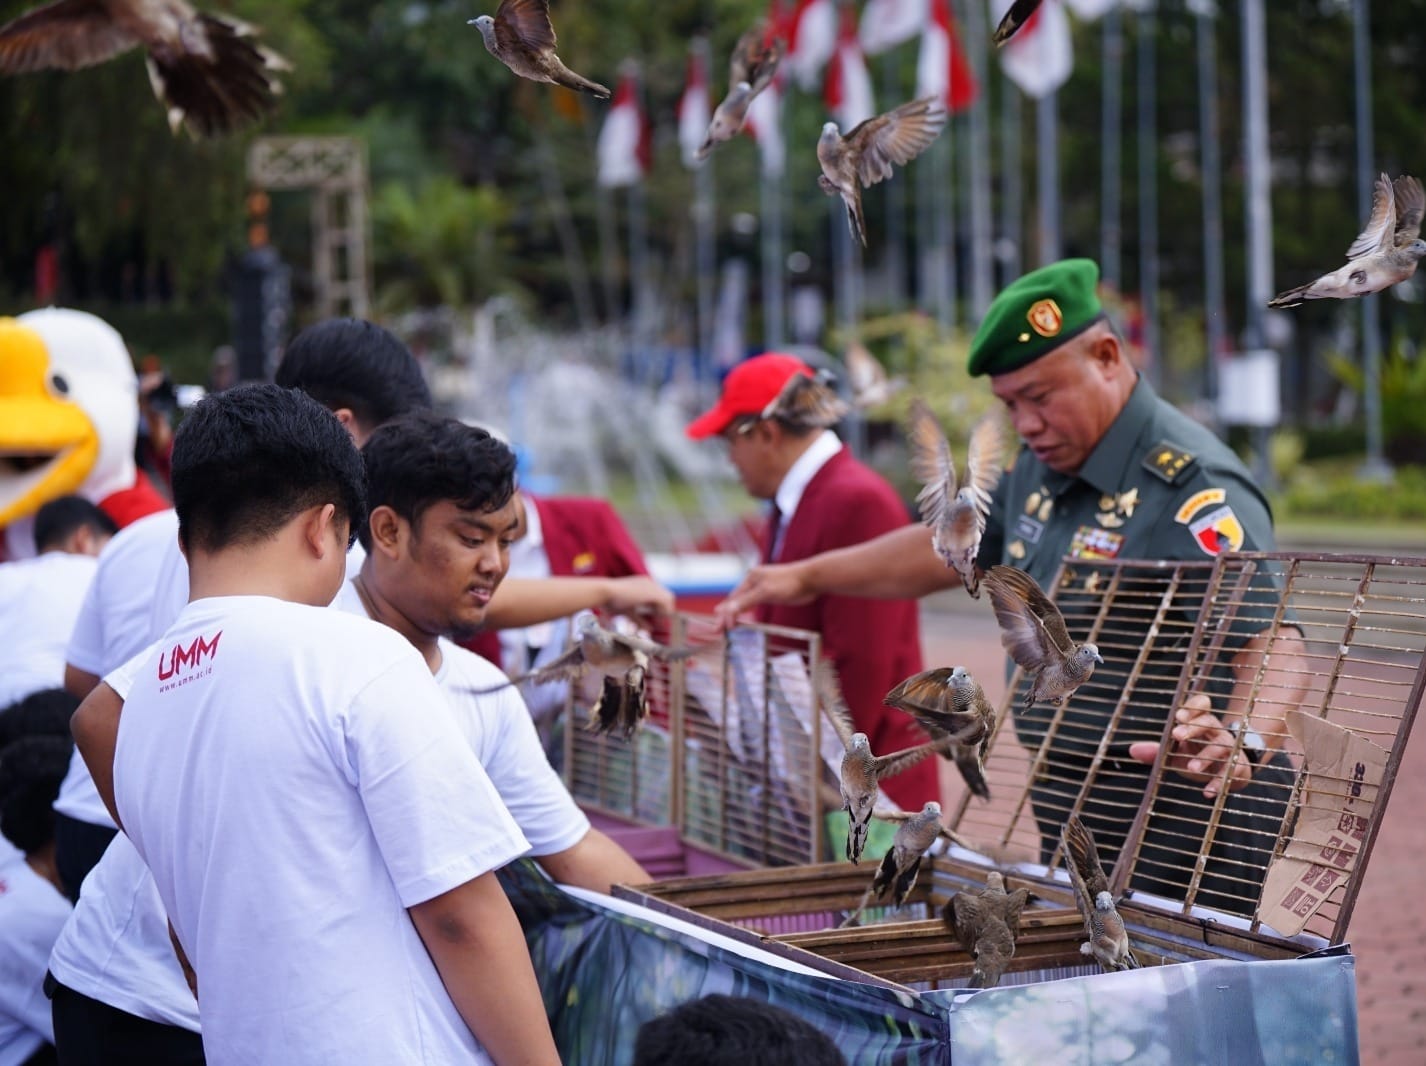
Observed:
{"x":290,"y":806}
{"x":31,"y":913}
{"x":116,"y":623}
{"x":502,"y":735}
{"x":39,"y":602}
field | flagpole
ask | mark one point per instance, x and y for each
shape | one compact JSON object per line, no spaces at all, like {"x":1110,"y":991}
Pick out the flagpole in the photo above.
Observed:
{"x":579,"y":286}
{"x":1257,"y":163}
{"x":1376,"y":467}
{"x":947,"y":283}
{"x":982,"y":281}
{"x":704,"y":221}
{"x":1111,"y":133}
{"x":1012,"y":204}
{"x":895,"y":205}
{"x":1145,"y":32}
{"x":638,"y":274}
{"x":770,"y":191}
{"x":1216,"y":326}
{"x":1048,"y":161}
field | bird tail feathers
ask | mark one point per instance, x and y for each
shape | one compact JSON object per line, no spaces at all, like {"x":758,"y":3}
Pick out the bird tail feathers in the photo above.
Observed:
{"x":218,"y":88}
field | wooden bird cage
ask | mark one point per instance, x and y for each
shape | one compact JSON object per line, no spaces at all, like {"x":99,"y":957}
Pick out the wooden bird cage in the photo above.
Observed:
{"x":1327,"y":654}
{"x":730,"y":753}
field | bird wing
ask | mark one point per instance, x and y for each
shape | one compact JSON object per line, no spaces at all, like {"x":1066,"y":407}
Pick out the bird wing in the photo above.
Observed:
{"x":894,"y":763}
{"x":864,"y":370}
{"x":1083,"y":900}
{"x":1031,"y":627}
{"x":931,"y":462}
{"x":1013,"y":907}
{"x":570,"y":664}
{"x":983,"y":462}
{"x":1081,"y":859}
{"x":1410,"y":203}
{"x":1019,"y":13}
{"x":807,"y":401}
{"x":1380,"y":231}
{"x":894,"y":138}
{"x":66,"y":35}
{"x":829,"y":694}
{"x":525,"y":25}
{"x":654,"y":650}
{"x":755,"y":58}
{"x":966,"y":914}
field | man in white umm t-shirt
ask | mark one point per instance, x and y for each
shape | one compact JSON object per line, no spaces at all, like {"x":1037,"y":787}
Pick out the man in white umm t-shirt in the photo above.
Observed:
{"x":40,"y":597}
{"x":442,"y":517}
{"x":293,"y":811}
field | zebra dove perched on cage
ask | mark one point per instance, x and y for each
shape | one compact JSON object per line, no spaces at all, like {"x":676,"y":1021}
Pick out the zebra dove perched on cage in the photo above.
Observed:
{"x":1034,"y":633}
{"x":1108,"y":941}
{"x":987,"y":923}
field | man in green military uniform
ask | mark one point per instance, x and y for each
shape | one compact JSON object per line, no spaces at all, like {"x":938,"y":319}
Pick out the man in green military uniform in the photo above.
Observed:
{"x":1107,"y":470}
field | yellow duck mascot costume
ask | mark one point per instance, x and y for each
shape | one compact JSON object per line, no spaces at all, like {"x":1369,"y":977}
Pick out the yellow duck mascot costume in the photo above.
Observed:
{"x":68,"y":418}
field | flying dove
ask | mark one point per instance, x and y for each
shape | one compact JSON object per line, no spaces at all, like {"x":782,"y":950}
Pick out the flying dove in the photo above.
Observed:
{"x":955,"y":509}
{"x":900,"y":865}
{"x":1108,"y":942}
{"x":750,"y":71}
{"x":807,"y":402}
{"x":987,"y":923}
{"x":205,"y":69}
{"x":862,"y":772}
{"x":522,"y":37}
{"x":950,"y":704}
{"x":622,"y":661}
{"x":1384,"y":254}
{"x":867,"y":154}
{"x":1019,"y":14}
{"x":1033,"y":632}
{"x":867,"y":378}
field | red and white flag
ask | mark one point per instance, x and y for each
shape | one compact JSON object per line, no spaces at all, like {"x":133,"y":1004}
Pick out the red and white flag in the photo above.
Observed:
{"x":1039,"y":58}
{"x":694,"y":109}
{"x":765,"y":126}
{"x":886,"y":23}
{"x":623,"y":147}
{"x":812,"y":38}
{"x":847,"y":90}
{"x":942,"y":69}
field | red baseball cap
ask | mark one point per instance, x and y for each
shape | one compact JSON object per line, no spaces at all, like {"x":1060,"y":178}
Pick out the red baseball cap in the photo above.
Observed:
{"x":749,"y":387}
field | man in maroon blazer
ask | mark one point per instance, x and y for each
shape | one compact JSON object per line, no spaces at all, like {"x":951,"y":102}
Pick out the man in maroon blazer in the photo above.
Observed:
{"x":823,"y":498}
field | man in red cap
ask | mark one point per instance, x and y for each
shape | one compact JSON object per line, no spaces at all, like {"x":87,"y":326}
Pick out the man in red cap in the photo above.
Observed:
{"x":775,"y":416}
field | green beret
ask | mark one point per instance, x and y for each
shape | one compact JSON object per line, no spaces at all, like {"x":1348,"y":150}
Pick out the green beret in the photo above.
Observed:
{"x":1035,"y":315}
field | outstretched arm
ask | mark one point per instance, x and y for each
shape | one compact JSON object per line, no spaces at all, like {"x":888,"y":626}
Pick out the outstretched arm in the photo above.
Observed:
{"x":900,"y":564}
{"x":95,"y":726}
{"x":596,"y":863}
{"x":475,"y":941}
{"x":529,"y":601}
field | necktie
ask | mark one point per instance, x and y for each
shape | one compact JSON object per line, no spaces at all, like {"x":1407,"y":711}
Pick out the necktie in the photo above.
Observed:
{"x":774,"y":531}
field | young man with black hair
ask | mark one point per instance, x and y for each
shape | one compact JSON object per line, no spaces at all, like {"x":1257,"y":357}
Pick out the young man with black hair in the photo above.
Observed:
{"x":733,"y":1031}
{"x":32,"y":909}
{"x":272,"y":776}
{"x":42,"y":595}
{"x":443,"y":515}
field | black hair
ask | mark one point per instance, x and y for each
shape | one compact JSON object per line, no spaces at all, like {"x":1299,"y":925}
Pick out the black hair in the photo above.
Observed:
{"x":30,"y":772}
{"x":43,"y":713}
{"x":59,"y":518}
{"x":424,"y":458}
{"x":733,"y":1031}
{"x":250,"y":458}
{"x":352,"y":363}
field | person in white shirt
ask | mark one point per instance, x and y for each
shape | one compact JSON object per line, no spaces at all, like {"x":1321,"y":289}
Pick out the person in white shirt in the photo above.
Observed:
{"x":292,"y":809}
{"x":40,"y":597}
{"x":32,"y":909}
{"x":443,"y":516}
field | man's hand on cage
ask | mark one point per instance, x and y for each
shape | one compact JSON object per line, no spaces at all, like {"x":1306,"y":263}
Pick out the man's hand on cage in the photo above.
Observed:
{"x":638,"y":595}
{"x":1202,"y":749}
{"x":770,"y":583}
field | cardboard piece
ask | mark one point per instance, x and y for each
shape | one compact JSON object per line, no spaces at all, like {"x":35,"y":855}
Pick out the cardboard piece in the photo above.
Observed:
{"x":1342,"y":773}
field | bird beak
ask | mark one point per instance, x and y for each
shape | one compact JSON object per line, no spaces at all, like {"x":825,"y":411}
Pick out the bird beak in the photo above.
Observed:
{"x":1098,"y":658}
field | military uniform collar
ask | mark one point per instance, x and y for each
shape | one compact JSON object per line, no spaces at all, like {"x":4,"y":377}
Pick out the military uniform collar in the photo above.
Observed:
{"x":1105,"y":468}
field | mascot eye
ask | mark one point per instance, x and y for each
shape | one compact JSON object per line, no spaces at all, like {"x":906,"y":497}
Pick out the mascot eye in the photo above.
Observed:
{"x":59,"y":384}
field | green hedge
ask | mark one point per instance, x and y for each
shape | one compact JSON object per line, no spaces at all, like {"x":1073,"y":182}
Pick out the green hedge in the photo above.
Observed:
{"x":1334,"y":491}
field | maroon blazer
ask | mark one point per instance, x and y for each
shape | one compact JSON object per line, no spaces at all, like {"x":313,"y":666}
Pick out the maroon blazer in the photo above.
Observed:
{"x":874,"y":644}
{"x":584,"y":537}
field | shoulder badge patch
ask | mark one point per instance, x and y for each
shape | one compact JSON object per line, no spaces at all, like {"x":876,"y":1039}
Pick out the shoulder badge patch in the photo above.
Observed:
{"x":1211,"y":522}
{"x":1168,"y":461}
{"x":1045,"y":318}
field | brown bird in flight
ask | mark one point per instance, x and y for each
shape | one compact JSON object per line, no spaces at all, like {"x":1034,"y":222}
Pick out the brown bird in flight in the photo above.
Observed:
{"x":955,"y":508}
{"x":1384,"y":254}
{"x":951,"y":706}
{"x":987,"y":923}
{"x":1108,"y":941}
{"x":807,"y":401}
{"x":521,"y":36}
{"x":205,"y":69}
{"x":868,"y":154}
{"x":750,"y":70}
{"x":1019,"y":14}
{"x":1034,"y":634}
